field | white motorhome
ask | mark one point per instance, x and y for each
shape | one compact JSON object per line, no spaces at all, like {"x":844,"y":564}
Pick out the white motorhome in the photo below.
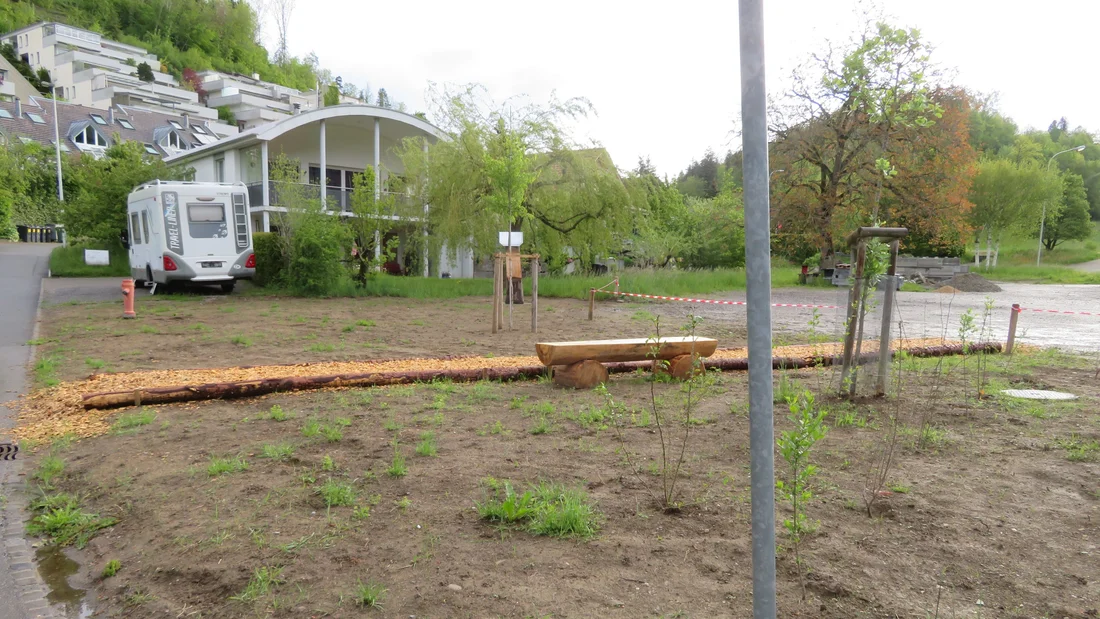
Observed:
{"x":190,"y":232}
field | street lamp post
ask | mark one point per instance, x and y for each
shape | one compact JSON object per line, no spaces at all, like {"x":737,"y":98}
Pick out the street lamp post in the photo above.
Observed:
{"x":1043,"y":221}
{"x":57,"y":143}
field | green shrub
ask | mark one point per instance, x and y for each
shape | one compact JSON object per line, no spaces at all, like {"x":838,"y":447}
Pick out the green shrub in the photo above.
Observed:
{"x":270,"y":259}
{"x":316,"y":250}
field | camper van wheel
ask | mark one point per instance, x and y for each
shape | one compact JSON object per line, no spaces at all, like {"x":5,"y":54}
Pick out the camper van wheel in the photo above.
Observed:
{"x":227,"y":287}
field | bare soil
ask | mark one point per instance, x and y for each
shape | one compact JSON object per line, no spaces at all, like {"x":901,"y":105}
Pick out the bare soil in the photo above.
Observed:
{"x":183,"y":332}
{"x":989,"y":518}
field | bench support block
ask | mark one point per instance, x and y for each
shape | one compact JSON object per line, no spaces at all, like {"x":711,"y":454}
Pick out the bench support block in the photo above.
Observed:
{"x":580,"y":375}
{"x":679,"y":367}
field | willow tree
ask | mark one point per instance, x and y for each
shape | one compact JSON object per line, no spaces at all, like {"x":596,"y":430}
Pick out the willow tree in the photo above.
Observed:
{"x":513,"y":166}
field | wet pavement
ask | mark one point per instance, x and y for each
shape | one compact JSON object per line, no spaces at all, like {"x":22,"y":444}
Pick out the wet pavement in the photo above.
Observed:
{"x":61,"y":574}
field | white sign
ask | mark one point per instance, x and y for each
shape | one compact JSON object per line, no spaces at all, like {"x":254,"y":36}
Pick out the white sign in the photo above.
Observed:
{"x":517,"y":239}
{"x":97,"y":257}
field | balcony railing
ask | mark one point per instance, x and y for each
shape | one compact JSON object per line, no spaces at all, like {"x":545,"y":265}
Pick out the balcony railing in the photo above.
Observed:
{"x":337,"y":198}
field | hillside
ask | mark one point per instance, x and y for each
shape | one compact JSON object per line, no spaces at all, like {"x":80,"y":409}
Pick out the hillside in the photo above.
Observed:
{"x":198,"y":34}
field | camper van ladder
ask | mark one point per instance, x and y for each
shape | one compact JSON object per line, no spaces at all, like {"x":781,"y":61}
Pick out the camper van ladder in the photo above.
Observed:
{"x":240,"y":221}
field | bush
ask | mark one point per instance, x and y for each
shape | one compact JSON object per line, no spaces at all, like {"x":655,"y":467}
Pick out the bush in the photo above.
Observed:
{"x":316,"y":250}
{"x":270,"y":259}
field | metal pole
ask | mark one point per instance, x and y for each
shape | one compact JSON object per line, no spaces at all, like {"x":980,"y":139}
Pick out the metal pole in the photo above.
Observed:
{"x":535,"y":294}
{"x":57,"y":145}
{"x":757,"y":198}
{"x":1014,"y":316}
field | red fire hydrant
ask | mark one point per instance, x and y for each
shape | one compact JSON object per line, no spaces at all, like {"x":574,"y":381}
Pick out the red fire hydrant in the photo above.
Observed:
{"x":128,"y":299}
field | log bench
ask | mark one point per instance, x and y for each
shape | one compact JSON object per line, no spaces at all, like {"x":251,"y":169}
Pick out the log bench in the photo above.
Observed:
{"x":580,"y":364}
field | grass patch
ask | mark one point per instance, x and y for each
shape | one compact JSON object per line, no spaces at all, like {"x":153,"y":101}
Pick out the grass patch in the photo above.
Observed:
{"x":263,"y":581}
{"x":675,"y":282}
{"x":397,"y":465}
{"x":48,"y":469}
{"x":225,"y":466}
{"x":45,"y":370}
{"x":95,"y":364}
{"x":546,"y":509}
{"x":1079,"y":450}
{"x":912,"y":287}
{"x":366,"y":324}
{"x":1046,"y":274}
{"x":69,"y":262}
{"x":60,"y":519}
{"x":240,"y":340}
{"x":369,"y":594}
{"x":128,"y":423}
{"x":427,"y":446}
{"x":336,"y":493}
{"x":276,"y":413}
{"x":322,"y":347}
{"x":277,"y":451}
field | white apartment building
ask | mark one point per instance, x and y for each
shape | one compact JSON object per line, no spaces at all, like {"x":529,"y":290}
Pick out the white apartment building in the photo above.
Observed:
{"x":96,"y":72}
{"x":253,"y":101}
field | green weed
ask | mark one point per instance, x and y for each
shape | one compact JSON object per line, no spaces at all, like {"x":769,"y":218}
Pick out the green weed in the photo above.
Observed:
{"x":427,"y":446}
{"x":48,"y":468}
{"x":276,"y":413}
{"x":263,"y":581}
{"x":95,"y":364}
{"x":369,"y":594}
{"x":240,"y":340}
{"x":60,"y":519}
{"x":225,"y":466}
{"x":278,"y":451}
{"x":112,"y":568}
{"x":127,"y":423}
{"x":547,"y":509}
{"x":336,"y":494}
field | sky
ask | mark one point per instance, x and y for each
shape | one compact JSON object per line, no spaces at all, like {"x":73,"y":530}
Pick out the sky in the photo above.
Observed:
{"x":663,"y":76}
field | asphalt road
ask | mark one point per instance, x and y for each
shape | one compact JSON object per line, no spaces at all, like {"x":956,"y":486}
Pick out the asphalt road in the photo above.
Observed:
{"x":22,"y":267}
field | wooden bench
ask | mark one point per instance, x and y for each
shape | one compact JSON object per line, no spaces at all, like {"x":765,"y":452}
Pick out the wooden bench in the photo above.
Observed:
{"x":580,"y":364}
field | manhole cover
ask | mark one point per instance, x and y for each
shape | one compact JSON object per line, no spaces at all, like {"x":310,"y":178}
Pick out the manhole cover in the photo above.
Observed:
{"x":1038,"y":394}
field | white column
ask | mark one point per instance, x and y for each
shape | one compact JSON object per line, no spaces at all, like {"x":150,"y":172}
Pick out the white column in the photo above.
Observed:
{"x":324,"y":169}
{"x":424,"y":251}
{"x":263,"y":174}
{"x":267,"y":221}
{"x":377,"y":180}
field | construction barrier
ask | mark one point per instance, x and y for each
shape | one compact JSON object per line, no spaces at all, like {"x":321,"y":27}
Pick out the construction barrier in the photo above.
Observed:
{"x":40,"y":234}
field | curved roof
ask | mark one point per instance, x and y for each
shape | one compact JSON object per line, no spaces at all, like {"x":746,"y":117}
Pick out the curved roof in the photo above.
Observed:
{"x":272,"y":130}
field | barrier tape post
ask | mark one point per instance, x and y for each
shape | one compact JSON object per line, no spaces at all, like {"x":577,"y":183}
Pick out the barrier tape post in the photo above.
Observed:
{"x":1014,"y":316}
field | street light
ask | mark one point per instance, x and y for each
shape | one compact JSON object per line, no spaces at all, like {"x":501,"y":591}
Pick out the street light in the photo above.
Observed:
{"x":1043,"y":221}
{"x":57,"y":143}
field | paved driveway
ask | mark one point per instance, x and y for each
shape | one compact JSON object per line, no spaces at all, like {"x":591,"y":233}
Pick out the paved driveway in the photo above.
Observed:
{"x":22,"y":267}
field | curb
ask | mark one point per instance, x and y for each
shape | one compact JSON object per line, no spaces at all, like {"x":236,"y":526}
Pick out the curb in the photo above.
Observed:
{"x":31,"y":590}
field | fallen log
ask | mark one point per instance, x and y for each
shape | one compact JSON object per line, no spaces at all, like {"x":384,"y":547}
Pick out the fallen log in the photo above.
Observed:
{"x":252,"y":388}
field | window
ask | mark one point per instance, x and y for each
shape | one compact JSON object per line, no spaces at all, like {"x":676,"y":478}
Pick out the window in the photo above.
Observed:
{"x":135,"y":232}
{"x":90,"y":137}
{"x":35,"y":118}
{"x":175,"y":124}
{"x":5,"y":114}
{"x":174,"y":141}
{"x":219,"y":170}
{"x":151,"y":150}
{"x":145,"y":224}
{"x":198,"y":129}
{"x":206,"y":221}
{"x":125,"y":123}
{"x":24,"y":139}
{"x":64,"y":148}
{"x":98,"y":119}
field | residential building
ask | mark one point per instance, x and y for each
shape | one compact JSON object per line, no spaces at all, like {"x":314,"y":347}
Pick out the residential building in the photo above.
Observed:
{"x":253,"y":101}
{"x":93,"y":130}
{"x":334,"y":144}
{"x":13,"y":84}
{"x":91,"y":70}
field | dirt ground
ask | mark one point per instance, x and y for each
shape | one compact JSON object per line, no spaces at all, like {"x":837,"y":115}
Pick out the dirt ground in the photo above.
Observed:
{"x":990,"y":517}
{"x":178,"y":332}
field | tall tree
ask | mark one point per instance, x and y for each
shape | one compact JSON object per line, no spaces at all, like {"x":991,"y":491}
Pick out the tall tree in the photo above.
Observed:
{"x":1071,"y":222}
{"x":283,"y":10}
{"x":575,"y":198}
{"x":1008,"y":197}
{"x":383,"y":99}
{"x":840,"y":119}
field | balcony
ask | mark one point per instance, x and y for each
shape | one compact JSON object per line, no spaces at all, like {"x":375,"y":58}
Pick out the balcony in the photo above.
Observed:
{"x":338,"y":198}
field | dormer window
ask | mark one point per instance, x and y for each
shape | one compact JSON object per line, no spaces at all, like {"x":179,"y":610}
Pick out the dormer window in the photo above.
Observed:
{"x":90,"y":137}
{"x":98,"y":119}
{"x":175,"y":142}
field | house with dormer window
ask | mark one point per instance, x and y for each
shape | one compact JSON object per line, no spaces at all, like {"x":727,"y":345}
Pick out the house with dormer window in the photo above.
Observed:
{"x":92,"y":130}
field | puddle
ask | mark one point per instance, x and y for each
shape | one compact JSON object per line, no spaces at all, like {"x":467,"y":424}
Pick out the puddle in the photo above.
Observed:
{"x":55,"y":567}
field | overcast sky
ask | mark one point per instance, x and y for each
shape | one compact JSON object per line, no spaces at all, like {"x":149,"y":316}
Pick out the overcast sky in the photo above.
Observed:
{"x":663,"y":76}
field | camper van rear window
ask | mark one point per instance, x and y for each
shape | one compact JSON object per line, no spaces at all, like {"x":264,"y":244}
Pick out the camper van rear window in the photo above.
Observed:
{"x":206,"y":221}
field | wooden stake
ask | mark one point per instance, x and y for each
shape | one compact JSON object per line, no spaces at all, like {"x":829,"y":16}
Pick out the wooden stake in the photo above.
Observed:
{"x":1013,"y":317}
{"x":535,"y":294}
{"x":496,"y":290}
{"x":591,"y":302}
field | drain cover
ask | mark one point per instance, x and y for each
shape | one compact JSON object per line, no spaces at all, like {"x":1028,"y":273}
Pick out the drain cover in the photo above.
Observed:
{"x":1038,"y":394}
